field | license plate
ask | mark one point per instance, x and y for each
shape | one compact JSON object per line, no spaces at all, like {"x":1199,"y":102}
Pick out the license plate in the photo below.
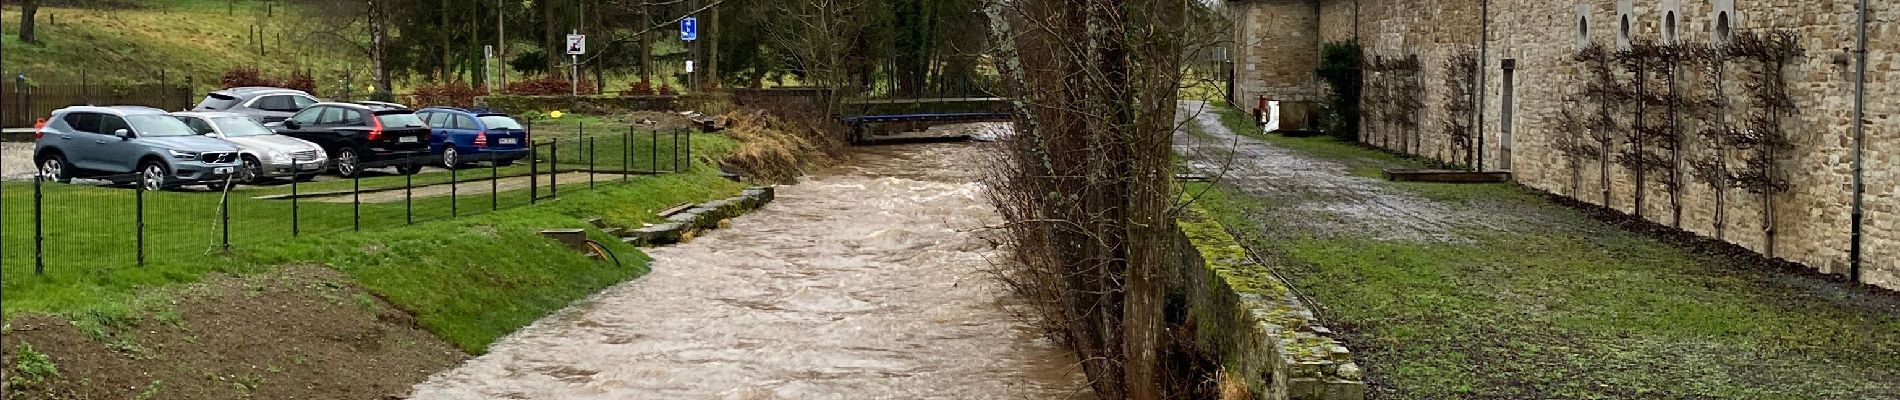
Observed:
{"x":407,"y":139}
{"x":307,"y":167}
{"x":222,"y":171}
{"x":510,"y":141}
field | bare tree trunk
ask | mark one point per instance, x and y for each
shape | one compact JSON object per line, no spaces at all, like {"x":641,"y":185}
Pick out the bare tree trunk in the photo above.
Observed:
{"x":712,"y":50}
{"x":554,"y":41}
{"x":646,"y":44}
{"x":378,"y":38}
{"x":1150,"y":133}
{"x":29,"y":10}
{"x":600,"y":64}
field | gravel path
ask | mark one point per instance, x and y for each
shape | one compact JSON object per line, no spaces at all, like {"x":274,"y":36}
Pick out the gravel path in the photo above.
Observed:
{"x":16,"y":161}
{"x":469,"y":187}
{"x":1322,"y":193}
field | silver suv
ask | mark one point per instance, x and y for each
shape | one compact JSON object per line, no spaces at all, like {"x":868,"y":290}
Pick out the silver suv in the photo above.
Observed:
{"x":265,"y":154}
{"x":127,"y":144}
{"x":264,"y":104}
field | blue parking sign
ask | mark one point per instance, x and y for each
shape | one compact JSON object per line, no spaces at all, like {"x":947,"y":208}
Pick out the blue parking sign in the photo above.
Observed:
{"x":689,"y":29}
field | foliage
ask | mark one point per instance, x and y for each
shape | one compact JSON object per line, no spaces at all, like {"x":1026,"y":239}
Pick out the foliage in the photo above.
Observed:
{"x":640,"y":88}
{"x":547,"y":85}
{"x":1341,"y":66}
{"x":454,"y":94}
{"x":301,"y":80}
{"x":242,"y":76}
{"x":31,"y":368}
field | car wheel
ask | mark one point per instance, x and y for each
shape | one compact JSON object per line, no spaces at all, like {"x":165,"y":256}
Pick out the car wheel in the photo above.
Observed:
{"x":252,"y":172}
{"x":55,"y":168}
{"x":347,"y":163}
{"x":451,"y":159}
{"x":152,"y":175}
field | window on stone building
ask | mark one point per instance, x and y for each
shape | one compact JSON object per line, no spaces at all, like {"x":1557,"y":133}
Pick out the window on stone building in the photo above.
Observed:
{"x":1669,"y":27}
{"x":1583,"y":31}
{"x":1723,"y":28}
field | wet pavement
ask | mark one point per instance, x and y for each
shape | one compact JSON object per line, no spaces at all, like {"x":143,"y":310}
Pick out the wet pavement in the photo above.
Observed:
{"x":863,"y":282}
{"x":1320,"y":193}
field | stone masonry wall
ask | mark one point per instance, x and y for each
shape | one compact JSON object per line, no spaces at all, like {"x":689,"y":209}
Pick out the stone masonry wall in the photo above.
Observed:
{"x":1812,"y":218}
{"x":1279,"y":42}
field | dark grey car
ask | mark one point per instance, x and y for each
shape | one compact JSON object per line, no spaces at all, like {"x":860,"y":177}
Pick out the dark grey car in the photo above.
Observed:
{"x":264,"y":104}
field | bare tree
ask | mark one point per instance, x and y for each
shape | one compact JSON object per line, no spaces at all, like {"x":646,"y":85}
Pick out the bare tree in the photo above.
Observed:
{"x":378,"y":40}
{"x":1084,"y":182}
{"x":819,"y":35}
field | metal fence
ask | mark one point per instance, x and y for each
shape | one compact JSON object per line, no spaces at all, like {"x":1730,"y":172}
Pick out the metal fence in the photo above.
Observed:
{"x":92,"y":227}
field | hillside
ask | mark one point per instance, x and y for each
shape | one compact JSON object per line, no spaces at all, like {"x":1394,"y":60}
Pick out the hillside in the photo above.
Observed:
{"x":199,"y":39}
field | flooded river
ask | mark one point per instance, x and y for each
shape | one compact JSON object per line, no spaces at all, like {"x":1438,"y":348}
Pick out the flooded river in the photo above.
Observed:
{"x":862,"y":282}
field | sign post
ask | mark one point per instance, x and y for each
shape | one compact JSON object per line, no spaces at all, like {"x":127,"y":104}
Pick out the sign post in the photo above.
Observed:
{"x":576,"y":46}
{"x":488,"y":67}
{"x":689,"y":33}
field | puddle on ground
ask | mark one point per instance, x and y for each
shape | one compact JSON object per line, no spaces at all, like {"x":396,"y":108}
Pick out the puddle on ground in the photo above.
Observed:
{"x":863,"y":282}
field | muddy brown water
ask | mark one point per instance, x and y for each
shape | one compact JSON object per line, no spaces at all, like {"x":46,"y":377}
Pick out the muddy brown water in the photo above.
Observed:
{"x":862,"y":282}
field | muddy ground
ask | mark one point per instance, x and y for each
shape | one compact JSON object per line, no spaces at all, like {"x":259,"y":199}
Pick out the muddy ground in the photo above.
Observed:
{"x":301,"y":333}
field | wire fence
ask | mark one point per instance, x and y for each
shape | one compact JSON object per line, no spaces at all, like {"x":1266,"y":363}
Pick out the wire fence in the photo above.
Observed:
{"x":88,"y":227}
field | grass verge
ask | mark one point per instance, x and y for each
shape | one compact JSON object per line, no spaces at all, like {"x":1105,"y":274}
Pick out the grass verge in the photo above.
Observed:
{"x":1565,"y":306}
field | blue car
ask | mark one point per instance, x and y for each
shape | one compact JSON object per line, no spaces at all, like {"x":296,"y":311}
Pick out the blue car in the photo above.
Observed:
{"x":460,"y":136}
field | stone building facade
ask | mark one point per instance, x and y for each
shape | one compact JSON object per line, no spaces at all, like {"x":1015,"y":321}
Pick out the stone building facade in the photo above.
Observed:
{"x":1539,"y":39}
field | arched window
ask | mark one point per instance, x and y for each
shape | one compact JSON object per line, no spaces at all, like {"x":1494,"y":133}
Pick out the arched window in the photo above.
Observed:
{"x":1669,"y":27}
{"x":1724,"y":28}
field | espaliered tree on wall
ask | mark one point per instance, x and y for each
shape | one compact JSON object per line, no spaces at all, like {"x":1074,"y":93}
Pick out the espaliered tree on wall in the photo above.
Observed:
{"x":1461,"y":72}
{"x":1591,"y":121}
{"x":1342,"y":68}
{"x":1393,"y":98}
{"x":1710,"y":165}
{"x":1653,"y":140}
{"x":1764,"y":142}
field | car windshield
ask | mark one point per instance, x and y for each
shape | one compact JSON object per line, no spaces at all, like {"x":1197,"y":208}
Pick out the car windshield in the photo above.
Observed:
{"x":401,"y":120}
{"x":500,"y":122}
{"x":240,"y":127}
{"x":217,"y":101}
{"x":158,"y":126}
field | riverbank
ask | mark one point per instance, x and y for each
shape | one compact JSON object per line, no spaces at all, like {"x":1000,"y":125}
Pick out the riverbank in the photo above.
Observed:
{"x":331,"y":313}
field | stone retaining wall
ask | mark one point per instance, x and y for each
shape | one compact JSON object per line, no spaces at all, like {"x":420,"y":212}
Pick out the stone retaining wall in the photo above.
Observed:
{"x":1252,"y":323}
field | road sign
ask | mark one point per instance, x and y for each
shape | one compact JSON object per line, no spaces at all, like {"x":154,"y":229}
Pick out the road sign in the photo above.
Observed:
{"x":488,"y":51}
{"x":689,"y":29}
{"x":576,"y":44}
{"x":689,"y":66}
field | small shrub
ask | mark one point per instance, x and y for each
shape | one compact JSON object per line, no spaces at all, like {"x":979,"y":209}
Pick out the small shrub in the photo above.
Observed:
{"x":455,"y":94}
{"x":244,"y":76}
{"x":301,"y":80}
{"x":547,"y":85}
{"x":667,"y":90}
{"x":31,"y":368}
{"x":641,"y":88}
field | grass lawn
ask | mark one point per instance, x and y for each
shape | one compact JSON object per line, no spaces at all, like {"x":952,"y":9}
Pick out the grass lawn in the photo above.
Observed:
{"x":1565,"y":306}
{"x":469,"y":279}
{"x":188,"y":38}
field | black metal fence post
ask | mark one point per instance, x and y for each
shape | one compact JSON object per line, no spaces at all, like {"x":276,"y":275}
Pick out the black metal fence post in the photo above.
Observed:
{"x":139,"y":222}
{"x":534,"y":172}
{"x":554,"y":168}
{"x":689,"y":151}
{"x":626,"y":154}
{"x":356,"y":198}
{"x":654,"y":150}
{"x":294,"y":231}
{"x":590,"y":163}
{"x":408,"y":194}
{"x":676,"y":151}
{"x":224,"y":218}
{"x":494,"y":181}
{"x":39,"y":228}
{"x":455,"y":177}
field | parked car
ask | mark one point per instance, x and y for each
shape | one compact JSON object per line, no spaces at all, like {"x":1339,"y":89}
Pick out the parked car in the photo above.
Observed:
{"x":359,"y":136}
{"x":263,"y":154}
{"x":127,"y":144}
{"x":264,"y":104}
{"x":462,"y":136}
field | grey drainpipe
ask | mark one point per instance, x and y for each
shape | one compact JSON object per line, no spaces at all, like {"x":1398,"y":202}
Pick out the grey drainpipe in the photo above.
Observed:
{"x":1860,"y":117}
{"x":1484,"y":67}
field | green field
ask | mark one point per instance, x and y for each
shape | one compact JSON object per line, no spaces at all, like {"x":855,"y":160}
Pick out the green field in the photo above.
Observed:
{"x":90,"y":257}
